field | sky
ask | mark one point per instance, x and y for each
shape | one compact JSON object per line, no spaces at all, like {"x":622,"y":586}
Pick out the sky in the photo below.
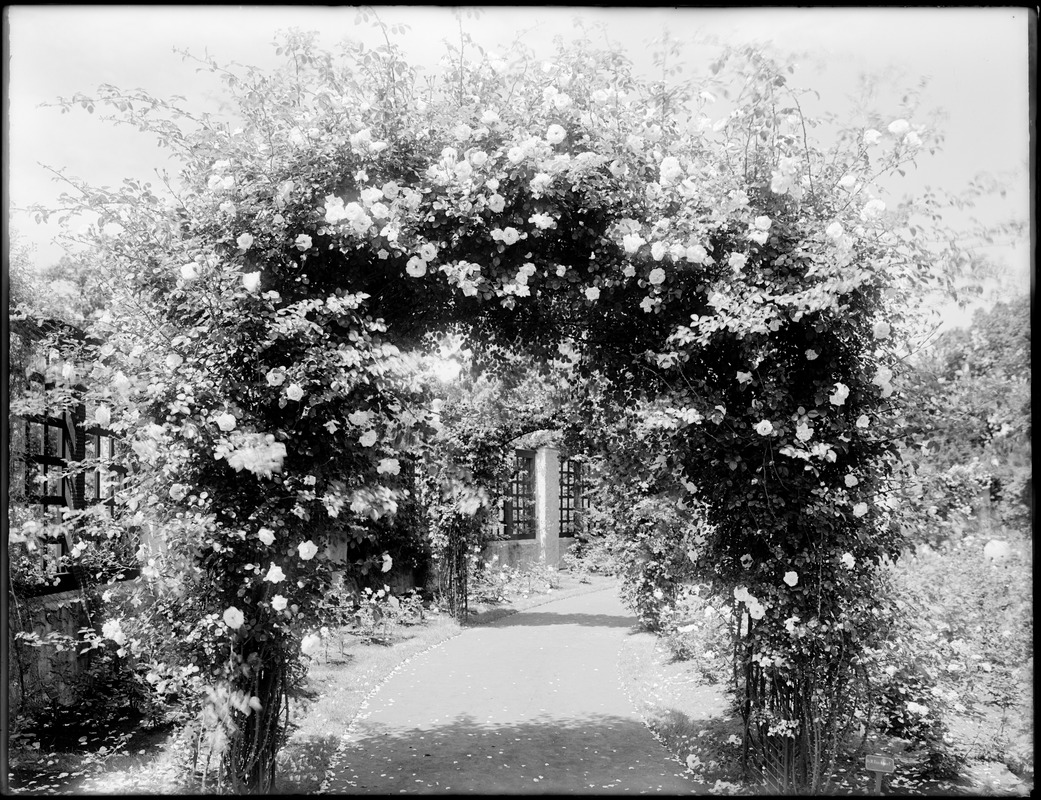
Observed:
{"x":976,"y":59}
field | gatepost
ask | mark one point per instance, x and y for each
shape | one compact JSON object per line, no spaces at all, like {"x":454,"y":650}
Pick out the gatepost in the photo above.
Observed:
{"x":547,"y":505}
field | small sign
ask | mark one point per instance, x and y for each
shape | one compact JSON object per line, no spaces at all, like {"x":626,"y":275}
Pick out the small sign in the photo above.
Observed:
{"x":879,"y":764}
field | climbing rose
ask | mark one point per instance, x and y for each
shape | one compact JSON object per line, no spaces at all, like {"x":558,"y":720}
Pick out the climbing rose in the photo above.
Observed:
{"x":278,"y":602}
{"x":358,"y":418}
{"x":416,"y":267}
{"x":860,"y":509}
{"x":245,"y":241}
{"x":871,"y":136}
{"x":669,"y":171}
{"x":863,"y":421}
{"x":251,"y":281}
{"x":389,"y":466}
{"x":307,"y":550}
{"x":555,"y":134}
{"x":226,"y":422}
{"x":294,"y":392}
{"x":592,"y":293}
{"x":309,"y":644}
{"x":899,"y":127}
{"x":871,"y":209}
{"x":188,"y":272}
{"x":266,"y":535}
{"x":851,"y":481}
{"x":791,"y":578}
{"x":632,"y":242}
{"x":497,"y":203}
{"x":112,"y":630}
{"x":834,"y":231}
{"x":103,"y":416}
{"x":848,"y":561}
{"x":657,"y":276}
{"x":811,"y":355}
{"x":275,"y":574}
{"x":881,"y":330}
{"x":840,"y":394}
{"x":510,"y":235}
{"x":763,"y":223}
{"x":658,"y":251}
{"x":542,"y":221}
{"x":804,"y":432}
{"x":744,"y":377}
{"x":764,"y":428}
{"x":233,"y":618}
{"x":276,"y":376}
{"x":737,"y":261}
{"x":303,"y":242}
{"x":368,"y":439}
{"x":388,"y":562}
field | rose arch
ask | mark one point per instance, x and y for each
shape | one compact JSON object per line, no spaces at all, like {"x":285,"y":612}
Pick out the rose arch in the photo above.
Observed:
{"x":723,"y":300}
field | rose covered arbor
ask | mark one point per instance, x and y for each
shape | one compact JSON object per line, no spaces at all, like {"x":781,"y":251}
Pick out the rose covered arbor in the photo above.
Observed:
{"x":721,"y":298}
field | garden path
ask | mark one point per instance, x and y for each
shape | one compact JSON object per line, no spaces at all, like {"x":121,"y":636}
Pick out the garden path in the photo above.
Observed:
{"x":531,"y":703}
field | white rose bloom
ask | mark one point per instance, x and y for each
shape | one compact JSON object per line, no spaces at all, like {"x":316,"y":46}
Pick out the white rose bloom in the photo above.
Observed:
{"x":899,"y":127}
{"x":233,"y":618}
{"x":275,"y":574}
{"x":310,"y":644}
{"x":294,"y":392}
{"x":632,"y":242}
{"x":881,"y":330}
{"x":555,"y":134}
{"x":389,"y":466}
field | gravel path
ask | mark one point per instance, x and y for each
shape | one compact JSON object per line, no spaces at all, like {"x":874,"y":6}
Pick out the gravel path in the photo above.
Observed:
{"x":530,"y":704}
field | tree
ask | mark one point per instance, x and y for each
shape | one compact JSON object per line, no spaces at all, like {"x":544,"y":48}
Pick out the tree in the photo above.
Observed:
{"x":968,"y":434}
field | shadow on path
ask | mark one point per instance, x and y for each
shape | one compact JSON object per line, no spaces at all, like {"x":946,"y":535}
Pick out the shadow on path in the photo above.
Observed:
{"x":536,"y":618}
{"x":592,"y":754}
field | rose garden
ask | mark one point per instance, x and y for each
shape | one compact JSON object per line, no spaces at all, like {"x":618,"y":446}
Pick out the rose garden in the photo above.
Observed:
{"x":309,"y":356}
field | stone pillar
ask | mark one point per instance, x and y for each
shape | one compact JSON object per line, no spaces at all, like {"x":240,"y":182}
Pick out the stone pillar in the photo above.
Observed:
{"x":547,"y":505}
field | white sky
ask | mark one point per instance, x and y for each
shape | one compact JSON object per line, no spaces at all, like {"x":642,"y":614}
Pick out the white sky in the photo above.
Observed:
{"x":977,"y":60}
